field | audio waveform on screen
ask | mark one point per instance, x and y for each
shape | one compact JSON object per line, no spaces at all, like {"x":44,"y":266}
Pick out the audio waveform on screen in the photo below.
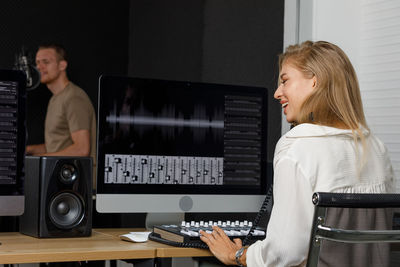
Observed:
{"x":140,"y":120}
{"x":170,"y":121}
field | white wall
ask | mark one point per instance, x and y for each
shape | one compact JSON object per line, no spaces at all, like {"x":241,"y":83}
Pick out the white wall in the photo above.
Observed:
{"x":336,"y":21}
{"x":290,"y":36}
{"x":379,"y":73}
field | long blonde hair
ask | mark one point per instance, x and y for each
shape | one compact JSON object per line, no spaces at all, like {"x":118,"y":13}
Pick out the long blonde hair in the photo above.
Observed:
{"x":336,"y":99}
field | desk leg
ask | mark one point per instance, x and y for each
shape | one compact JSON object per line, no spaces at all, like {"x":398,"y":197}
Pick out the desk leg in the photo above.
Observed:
{"x":164,"y":262}
{"x":142,"y":262}
{"x":158,"y":262}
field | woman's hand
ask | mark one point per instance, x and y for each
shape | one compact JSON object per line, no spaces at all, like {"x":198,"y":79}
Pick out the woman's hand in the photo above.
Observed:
{"x":221,"y":246}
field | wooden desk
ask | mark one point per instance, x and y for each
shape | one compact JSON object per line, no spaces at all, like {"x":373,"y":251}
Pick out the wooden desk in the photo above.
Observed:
{"x":104,"y":244}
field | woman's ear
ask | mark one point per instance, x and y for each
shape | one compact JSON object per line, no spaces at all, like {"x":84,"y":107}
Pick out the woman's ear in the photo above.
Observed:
{"x":314,"y":78}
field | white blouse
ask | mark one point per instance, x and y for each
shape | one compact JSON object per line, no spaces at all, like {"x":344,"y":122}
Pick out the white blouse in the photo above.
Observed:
{"x":313,"y":158}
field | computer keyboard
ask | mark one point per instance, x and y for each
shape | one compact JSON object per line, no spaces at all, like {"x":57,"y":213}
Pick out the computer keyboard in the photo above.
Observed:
{"x":187,"y":233}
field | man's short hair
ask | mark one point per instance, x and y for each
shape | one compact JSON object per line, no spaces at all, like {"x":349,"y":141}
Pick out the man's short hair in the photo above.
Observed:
{"x":60,"y":50}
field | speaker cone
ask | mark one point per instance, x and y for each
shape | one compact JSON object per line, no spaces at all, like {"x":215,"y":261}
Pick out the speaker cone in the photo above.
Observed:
{"x":66,"y":210}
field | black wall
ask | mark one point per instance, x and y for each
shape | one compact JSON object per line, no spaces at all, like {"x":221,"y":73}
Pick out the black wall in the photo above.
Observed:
{"x":226,"y":41}
{"x":166,"y":39}
{"x":94,"y":33}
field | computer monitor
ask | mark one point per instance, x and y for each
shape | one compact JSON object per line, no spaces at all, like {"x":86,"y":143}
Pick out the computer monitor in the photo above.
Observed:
{"x":12,"y":142}
{"x":171,"y":146}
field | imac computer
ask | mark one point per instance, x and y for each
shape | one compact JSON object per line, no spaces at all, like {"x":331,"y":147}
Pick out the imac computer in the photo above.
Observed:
{"x":171,"y":146}
{"x":12,"y":142}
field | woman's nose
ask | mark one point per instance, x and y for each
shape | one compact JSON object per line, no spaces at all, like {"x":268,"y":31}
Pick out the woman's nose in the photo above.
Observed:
{"x":278,"y":92}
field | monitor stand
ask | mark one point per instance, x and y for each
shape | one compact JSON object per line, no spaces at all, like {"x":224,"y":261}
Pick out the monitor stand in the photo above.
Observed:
{"x":153,"y":219}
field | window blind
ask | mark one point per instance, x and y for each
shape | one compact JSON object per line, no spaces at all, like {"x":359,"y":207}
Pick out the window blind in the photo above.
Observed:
{"x":379,"y":73}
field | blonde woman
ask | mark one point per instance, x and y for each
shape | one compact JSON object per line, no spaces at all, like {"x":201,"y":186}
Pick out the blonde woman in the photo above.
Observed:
{"x":330,"y":149}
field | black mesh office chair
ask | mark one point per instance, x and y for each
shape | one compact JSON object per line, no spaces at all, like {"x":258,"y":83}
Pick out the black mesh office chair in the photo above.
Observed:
{"x":370,"y":247}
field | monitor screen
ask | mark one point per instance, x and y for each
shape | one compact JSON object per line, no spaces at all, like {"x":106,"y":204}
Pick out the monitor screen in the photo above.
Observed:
{"x":12,"y":142}
{"x":170,"y":146}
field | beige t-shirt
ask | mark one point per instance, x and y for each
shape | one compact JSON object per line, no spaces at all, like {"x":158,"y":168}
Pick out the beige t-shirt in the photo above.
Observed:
{"x":69,"y":111}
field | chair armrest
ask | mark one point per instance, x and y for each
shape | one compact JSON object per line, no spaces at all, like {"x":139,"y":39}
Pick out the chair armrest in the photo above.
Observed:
{"x":352,"y":200}
{"x":357,"y":236}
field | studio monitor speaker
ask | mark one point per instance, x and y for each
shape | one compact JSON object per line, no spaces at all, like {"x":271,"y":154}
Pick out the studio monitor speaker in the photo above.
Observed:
{"x":58,"y":197}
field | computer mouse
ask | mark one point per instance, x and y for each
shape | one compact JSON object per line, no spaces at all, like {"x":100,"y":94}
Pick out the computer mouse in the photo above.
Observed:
{"x":136,"y":236}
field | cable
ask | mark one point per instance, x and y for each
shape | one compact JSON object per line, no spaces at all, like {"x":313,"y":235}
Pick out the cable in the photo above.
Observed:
{"x":267,"y":205}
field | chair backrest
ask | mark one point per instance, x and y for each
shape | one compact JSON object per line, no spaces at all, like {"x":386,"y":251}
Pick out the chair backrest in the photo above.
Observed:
{"x":362,"y":233}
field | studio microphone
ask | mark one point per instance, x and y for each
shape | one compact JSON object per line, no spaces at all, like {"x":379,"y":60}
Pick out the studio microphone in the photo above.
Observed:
{"x":31,"y":72}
